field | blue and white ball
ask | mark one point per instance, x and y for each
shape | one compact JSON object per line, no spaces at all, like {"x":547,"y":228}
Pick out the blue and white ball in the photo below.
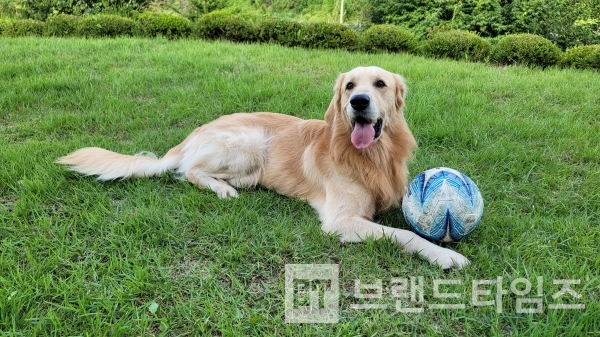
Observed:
{"x":442,"y":204}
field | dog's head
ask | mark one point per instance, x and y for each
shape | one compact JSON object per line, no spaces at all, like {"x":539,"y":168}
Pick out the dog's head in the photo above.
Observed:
{"x":368,"y":100}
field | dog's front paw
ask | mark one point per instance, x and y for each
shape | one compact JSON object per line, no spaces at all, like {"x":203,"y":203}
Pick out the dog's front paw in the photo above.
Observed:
{"x":447,"y":259}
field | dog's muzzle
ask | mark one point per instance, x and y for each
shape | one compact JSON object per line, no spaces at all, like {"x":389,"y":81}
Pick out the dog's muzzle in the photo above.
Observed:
{"x":366,"y":127}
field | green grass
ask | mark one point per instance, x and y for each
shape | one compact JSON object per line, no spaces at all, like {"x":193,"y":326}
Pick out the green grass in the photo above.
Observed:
{"x":146,"y":257}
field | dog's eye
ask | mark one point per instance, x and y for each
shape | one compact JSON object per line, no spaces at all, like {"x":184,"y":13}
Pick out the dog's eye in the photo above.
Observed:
{"x":380,"y":84}
{"x":349,"y":86}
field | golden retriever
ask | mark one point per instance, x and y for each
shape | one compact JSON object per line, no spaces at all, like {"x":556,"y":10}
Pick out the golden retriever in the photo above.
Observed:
{"x":348,"y":167}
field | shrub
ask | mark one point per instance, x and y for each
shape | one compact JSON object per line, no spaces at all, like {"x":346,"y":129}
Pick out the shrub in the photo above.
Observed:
{"x":42,"y":9}
{"x":208,"y":6}
{"x":62,"y":25}
{"x":329,"y":36}
{"x":153,"y":24}
{"x":24,"y":27}
{"x":457,"y":44}
{"x":567,"y":23}
{"x":527,"y":49}
{"x":9,"y":9}
{"x":387,"y":38}
{"x":223,"y":25}
{"x":106,"y":25}
{"x":282,"y":31}
{"x":584,"y":57}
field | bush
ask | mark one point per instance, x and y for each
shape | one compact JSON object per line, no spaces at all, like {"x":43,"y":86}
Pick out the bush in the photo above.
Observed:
{"x":9,"y":9}
{"x":42,"y":9}
{"x":208,"y":6}
{"x":584,"y":57}
{"x":458,"y":45}
{"x":62,"y":25}
{"x":329,"y":36}
{"x":106,"y":25}
{"x":567,"y":23}
{"x":282,"y":31}
{"x":27,"y":27}
{"x":153,"y":24}
{"x":527,"y":49}
{"x":387,"y":38}
{"x":223,"y":25}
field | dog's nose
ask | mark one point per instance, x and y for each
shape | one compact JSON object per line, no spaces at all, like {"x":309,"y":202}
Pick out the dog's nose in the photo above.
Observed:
{"x":360,"y":102}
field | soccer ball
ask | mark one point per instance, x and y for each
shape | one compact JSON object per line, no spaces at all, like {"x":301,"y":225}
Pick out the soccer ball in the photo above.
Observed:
{"x":442,"y":204}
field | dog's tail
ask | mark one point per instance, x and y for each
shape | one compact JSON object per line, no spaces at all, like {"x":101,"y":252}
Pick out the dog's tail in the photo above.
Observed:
{"x":108,"y":165}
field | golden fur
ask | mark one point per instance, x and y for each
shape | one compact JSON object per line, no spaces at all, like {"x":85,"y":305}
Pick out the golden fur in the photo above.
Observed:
{"x":312,"y":160}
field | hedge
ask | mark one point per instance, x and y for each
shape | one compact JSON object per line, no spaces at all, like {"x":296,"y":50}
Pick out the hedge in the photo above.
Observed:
{"x":526,"y":49}
{"x":284,"y":32}
{"x":153,"y":24}
{"x":583,"y":57}
{"x":106,"y":25}
{"x":388,"y":38}
{"x":27,"y":27}
{"x":458,"y":45}
{"x":224,"y":25}
{"x":324,"y":35}
{"x":62,"y":25}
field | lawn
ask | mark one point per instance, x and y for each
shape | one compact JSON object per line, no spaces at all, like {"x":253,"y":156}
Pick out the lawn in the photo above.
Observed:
{"x":145,"y":257}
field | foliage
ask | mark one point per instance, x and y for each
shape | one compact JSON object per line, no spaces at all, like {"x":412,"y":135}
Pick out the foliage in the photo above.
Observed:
{"x":387,"y":38}
{"x":106,"y":25}
{"x":317,"y":10}
{"x":584,"y":57}
{"x":443,"y":41}
{"x":282,"y":31}
{"x":207,"y":6}
{"x":457,"y":44}
{"x":527,"y":49}
{"x":153,"y":24}
{"x":42,"y":9}
{"x":8,"y":9}
{"x":417,"y":15}
{"x":62,"y":25}
{"x":567,"y":22}
{"x":484,"y":17}
{"x":224,"y":25}
{"x":324,"y":35}
{"x":25,"y":27}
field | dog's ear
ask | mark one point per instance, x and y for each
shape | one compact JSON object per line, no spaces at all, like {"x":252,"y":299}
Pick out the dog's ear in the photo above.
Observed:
{"x":336,"y":102}
{"x":400,"y":92}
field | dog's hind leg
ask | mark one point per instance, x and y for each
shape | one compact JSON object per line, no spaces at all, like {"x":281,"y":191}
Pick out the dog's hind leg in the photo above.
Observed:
{"x":204,"y":179}
{"x":222,"y":159}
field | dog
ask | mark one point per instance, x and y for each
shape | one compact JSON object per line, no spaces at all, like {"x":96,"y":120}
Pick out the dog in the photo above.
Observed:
{"x":348,"y":167}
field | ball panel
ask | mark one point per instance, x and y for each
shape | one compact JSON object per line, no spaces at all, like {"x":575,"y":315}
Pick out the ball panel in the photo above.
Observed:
{"x":442,"y":204}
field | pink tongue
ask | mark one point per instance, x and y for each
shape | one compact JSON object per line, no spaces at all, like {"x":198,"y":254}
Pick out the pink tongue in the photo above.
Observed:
{"x":362,"y":135}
